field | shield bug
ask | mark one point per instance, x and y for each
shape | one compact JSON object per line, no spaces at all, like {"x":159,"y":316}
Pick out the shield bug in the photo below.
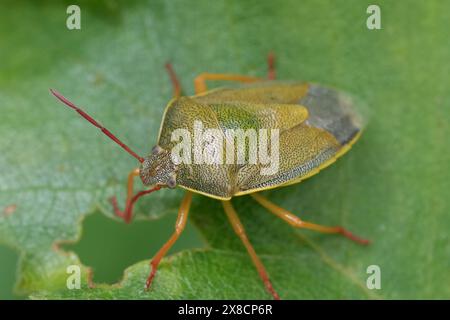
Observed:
{"x":315,"y":126}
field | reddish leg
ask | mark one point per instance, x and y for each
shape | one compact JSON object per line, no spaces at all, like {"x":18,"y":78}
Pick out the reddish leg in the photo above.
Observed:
{"x":298,"y":223}
{"x":240,"y":231}
{"x":179,"y":227}
{"x":128,"y":212}
{"x":174,"y":79}
{"x":271,"y":73}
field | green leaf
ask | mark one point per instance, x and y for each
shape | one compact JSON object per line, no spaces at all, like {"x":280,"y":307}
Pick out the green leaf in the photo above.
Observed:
{"x":392,"y":186}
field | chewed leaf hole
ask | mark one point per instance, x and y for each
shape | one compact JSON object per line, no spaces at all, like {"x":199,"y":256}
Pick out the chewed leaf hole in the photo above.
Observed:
{"x":109,"y":246}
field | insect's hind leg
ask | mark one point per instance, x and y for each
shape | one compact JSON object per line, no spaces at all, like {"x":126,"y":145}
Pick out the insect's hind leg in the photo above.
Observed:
{"x":298,"y":223}
{"x":179,"y":227}
{"x":240,"y":231}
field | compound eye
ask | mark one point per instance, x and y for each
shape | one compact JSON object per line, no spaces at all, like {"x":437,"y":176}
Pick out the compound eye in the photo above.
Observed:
{"x":172,"y":183}
{"x":156,"y":150}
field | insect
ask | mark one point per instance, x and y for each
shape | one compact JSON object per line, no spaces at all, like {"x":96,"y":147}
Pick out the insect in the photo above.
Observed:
{"x":316,"y":126}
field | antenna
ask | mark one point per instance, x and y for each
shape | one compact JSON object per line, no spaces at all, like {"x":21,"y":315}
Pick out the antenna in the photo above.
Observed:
{"x":95,"y":123}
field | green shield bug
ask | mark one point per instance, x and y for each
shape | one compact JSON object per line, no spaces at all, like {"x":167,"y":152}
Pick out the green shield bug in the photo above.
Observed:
{"x":314,"y":125}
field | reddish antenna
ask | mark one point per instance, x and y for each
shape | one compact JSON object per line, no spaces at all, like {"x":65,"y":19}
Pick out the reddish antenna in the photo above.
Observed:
{"x":95,"y":123}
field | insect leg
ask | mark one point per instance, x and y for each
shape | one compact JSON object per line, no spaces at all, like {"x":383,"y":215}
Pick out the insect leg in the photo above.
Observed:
{"x":240,"y":231}
{"x":298,"y":223}
{"x":200,"y":80}
{"x":175,"y":82}
{"x":271,"y":73}
{"x":126,"y":214}
{"x":179,"y":227}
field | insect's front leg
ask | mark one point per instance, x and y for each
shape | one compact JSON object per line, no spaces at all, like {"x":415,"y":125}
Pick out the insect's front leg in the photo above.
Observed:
{"x":126,"y":214}
{"x":129,"y":203}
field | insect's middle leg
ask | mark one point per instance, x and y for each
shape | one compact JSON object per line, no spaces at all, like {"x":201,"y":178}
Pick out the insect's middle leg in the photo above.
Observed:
{"x":298,"y":223}
{"x":179,"y":227}
{"x":240,"y":231}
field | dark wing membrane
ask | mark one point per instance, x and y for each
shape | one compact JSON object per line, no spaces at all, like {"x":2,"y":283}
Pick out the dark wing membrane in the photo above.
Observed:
{"x":332,"y":126}
{"x":332,"y":111}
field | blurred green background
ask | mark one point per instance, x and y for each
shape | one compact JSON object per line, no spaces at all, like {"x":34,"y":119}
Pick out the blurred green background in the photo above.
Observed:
{"x":59,"y":172}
